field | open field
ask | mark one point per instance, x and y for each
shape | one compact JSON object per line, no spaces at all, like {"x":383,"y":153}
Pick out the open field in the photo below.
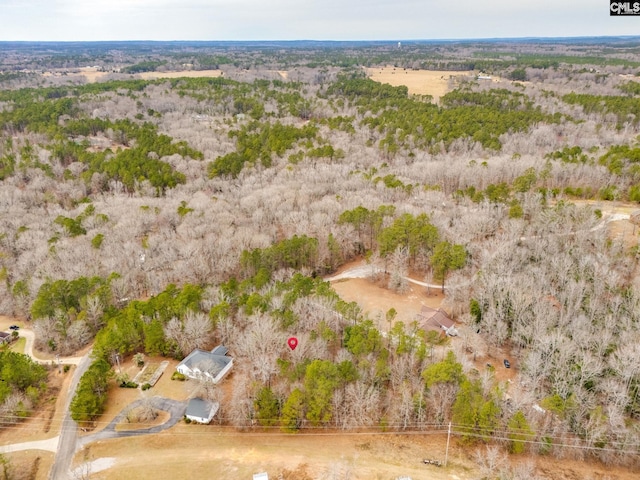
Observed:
{"x":213,"y":452}
{"x":419,"y":82}
{"x":619,"y":229}
{"x":31,"y":464}
{"x":216,"y":452}
{"x":184,"y":73}
{"x":92,"y":74}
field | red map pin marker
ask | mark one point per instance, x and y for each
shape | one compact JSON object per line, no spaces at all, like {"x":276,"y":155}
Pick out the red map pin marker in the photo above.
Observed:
{"x":293,"y":343}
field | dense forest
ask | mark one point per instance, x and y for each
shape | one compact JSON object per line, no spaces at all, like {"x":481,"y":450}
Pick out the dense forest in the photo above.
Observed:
{"x":161,"y":215}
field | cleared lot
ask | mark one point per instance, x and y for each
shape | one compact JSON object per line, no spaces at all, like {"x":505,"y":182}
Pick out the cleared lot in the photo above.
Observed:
{"x":419,"y":82}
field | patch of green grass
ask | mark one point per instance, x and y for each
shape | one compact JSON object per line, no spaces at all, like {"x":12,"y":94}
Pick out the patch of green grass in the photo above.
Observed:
{"x":19,"y":345}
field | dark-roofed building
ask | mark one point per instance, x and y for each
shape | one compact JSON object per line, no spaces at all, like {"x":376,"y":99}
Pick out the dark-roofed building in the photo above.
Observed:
{"x":201,"y":411}
{"x":220,"y":350}
{"x":5,"y":337}
{"x":436,"y":320}
{"x":204,"y":365}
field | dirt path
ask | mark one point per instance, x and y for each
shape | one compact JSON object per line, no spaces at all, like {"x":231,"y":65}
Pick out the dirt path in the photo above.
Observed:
{"x":50,"y":445}
{"x":28,"y":350}
{"x":30,"y":337}
{"x":361,"y":269}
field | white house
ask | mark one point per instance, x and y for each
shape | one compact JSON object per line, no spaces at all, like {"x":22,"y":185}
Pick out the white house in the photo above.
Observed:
{"x":208,"y":366}
{"x":201,"y":411}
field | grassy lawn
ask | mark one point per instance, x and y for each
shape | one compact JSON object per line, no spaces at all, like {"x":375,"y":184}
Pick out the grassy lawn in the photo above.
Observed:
{"x":18,"y":345}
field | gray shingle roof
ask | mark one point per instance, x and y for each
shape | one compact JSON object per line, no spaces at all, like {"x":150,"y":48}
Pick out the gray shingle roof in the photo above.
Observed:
{"x":199,"y":408}
{"x":206,"y":361}
{"x":220,"y":350}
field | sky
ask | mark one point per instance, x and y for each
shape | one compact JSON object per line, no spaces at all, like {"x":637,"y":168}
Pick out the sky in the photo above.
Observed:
{"x":101,"y":20}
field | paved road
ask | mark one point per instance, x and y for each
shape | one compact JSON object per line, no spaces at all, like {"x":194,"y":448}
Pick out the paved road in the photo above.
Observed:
{"x":67,"y":444}
{"x":68,"y":439}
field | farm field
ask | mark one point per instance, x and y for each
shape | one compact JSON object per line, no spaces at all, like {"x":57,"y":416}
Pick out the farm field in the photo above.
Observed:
{"x":180,"y":74}
{"x":92,"y":74}
{"x":419,"y":82}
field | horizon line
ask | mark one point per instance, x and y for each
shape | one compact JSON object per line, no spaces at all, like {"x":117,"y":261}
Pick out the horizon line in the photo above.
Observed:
{"x":389,"y":40}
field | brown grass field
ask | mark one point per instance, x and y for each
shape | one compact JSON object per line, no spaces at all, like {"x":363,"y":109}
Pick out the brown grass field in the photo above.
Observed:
{"x":185,"y":73}
{"x":218,"y":452}
{"x":92,"y":74}
{"x":419,"y":82}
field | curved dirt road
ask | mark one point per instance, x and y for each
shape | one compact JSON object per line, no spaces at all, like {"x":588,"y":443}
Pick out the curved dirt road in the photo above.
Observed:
{"x":30,"y":337}
{"x":365,"y":270}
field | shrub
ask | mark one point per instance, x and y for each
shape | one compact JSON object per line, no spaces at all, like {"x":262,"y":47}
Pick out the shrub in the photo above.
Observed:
{"x":146,"y":386}
{"x":139,"y":359}
{"x":178,"y":376}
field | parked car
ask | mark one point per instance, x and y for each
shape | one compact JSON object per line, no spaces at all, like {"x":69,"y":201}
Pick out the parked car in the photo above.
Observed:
{"x":14,"y":327}
{"x":507,"y":364}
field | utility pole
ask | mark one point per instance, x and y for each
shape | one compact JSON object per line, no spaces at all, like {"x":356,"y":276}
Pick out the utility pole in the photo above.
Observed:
{"x":446,"y":455}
